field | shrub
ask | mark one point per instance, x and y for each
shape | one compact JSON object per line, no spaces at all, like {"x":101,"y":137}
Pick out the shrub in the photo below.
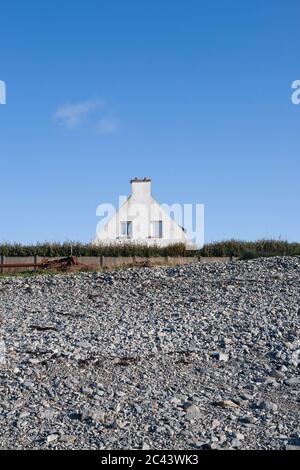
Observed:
{"x":243,"y":249}
{"x":84,"y":249}
{"x":237,"y":248}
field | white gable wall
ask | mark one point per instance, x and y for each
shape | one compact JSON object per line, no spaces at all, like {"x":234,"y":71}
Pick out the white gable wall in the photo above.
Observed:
{"x":142,"y":209}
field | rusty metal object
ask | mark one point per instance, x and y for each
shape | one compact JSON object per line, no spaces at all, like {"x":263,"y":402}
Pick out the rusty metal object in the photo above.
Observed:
{"x":60,"y":264}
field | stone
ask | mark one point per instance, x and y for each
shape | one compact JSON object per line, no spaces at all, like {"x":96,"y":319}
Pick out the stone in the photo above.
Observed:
{"x":220,"y":356}
{"x":279,"y":375}
{"x":215,"y":424}
{"x":292,"y":381}
{"x":175,"y":401}
{"x":226,"y":404}
{"x":247,"y":419}
{"x":51,"y":438}
{"x":268,"y":406}
{"x":247,"y":397}
{"x":68,"y":439}
{"x":235,"y":443}
{"x":107,"y":379}
{"x":192,"y":412}
{"x":34,"y":361}
{"x":120,"y":424}
{"x":92,"y":414}
{"x":48,"y":414}
{"x":239,"y":436}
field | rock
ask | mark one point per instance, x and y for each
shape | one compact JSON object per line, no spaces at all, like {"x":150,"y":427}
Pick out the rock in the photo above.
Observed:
{"x":226,"y":404}
{"x":235,"y":443}
{"x":83,"y":344}
{"x":292,"y":381}
{"x":279,"y":375}
{"x":226,"y":341}
{"x":198,"y":444}
{"x":137,"y":408}
{"x":87,"y":390}
{"x":220,"y":356}
{"x":295,"y":441}
{"x":125,"y":358}
{"x":175,"y":401}
{"x":247,"y":397}
{"x":34,"y":361}
{"x":268,"y":406}
{"x":213,"y":446}
{"x":52,"y":438}
{"x":271,"y":381}
{"x":28,"y":384}
{"x":239,"y":436}
{"x":92,"y":414}
{"x":215,"y":424}
{"x":192,"y":412}
{"x":68,"y":439}
{"x":120,"y":424}
{"x":247,"y":419}
{"x":48,"y":414}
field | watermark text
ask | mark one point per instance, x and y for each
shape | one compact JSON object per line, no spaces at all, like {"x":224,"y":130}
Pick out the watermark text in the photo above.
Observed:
{"x":2,"y":92}
{"x":296,"y":94}
{"x":151,"y":222}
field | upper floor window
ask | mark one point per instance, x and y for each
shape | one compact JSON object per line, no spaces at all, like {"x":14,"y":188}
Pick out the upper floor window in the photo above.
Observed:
{"x":126,"y":229}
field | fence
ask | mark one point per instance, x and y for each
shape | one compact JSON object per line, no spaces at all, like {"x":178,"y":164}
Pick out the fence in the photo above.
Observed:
{"x":109,"y":262}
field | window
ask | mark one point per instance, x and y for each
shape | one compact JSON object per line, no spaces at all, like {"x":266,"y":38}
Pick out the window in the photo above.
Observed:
{"x":157,"y":229}
{"x":126,"y":229}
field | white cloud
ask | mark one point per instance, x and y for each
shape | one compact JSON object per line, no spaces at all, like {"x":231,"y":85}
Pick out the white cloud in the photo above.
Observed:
{"x":108,"y":125}
{"x":72,"y":115}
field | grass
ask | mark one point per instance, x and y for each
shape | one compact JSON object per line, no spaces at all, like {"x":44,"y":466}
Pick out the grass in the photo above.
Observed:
{"x":237,"y":248}
{"x":248,"y":250}
{"x":84,"y":249}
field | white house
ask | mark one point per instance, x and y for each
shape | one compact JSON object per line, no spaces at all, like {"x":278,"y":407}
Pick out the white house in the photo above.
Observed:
{"x":142,"y":220}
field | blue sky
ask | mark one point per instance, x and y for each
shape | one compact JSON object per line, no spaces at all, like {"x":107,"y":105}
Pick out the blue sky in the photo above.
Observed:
{"x":195,"y":94}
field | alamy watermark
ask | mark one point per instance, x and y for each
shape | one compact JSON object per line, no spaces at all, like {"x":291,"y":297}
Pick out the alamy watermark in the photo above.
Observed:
{"x":296,"y":94}
{"x":155,"y":222}
{"x":2,"y":92}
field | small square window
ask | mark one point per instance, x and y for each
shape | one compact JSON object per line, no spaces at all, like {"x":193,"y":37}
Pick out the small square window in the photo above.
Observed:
{"x":126,"y":229}
{"x":157,"y":229}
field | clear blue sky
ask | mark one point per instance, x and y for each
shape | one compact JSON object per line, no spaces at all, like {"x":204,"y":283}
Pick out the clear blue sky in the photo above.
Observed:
{"x":193,"y":93}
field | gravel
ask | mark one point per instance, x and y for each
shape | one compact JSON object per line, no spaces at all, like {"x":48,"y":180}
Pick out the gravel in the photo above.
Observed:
{"x":204,"y":356}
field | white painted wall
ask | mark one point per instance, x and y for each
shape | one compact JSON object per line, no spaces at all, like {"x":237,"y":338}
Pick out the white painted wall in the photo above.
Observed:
{"x":141,"y":208}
